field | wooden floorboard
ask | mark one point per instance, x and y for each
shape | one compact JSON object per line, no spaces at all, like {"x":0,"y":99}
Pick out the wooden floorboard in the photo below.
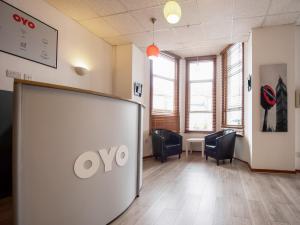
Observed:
{"x":193,"y":191}
{"x":197,"y":192}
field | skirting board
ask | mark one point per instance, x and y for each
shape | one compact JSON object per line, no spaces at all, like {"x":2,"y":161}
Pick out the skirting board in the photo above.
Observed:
{"x":253,"y":169}
{"x":268,"y":170}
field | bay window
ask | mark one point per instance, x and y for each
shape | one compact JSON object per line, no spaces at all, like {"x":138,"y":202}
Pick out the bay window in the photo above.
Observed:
{"x":200,"y":94}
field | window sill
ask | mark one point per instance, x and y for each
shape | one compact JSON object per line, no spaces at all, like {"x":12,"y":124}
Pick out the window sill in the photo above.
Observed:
{"x":200,"y":132}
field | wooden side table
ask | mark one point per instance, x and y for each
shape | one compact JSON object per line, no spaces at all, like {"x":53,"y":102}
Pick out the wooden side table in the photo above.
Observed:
{"x":194,"y":140}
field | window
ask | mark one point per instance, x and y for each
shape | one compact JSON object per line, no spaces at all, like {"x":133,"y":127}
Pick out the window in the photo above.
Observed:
{"x":233,"y":88}
{"x":200,"y":94}
{"x":164,"y":93}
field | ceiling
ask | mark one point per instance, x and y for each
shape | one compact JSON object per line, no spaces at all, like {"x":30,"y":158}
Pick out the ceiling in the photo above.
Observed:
{"x":205,"y":28}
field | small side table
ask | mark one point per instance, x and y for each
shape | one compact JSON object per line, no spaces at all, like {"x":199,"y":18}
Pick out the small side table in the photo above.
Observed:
{"x":194,"y":140}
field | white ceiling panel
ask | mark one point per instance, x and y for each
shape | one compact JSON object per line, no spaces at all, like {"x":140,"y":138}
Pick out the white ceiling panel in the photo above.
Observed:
{"x":106,"y":7}
{"x":117,"y":40}
{"x":217,"y":30}
{"x":99,"y":27}
{"x":243,"y":26}
{"x":188,"y":34}
{"x":210,"y":10}
{"x":143,"y":16}
{"x":124,"y":23}
{"x":250,"y":8}
{"x":206,"y":26}
{"x":190,"y":15}
{"x":281,"y":19}
{"x":283,"y":6}
{"x":76,"y":9}
{"x":141,"y":40}
{"x":140,"y":4}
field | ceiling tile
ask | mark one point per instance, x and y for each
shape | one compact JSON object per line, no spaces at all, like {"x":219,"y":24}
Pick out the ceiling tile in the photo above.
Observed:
{"x":243,"y":26}
{"x":283,"y":6}
{"x":106,"y":7}
{"x":250,"y":8}
{"x":189,"y":16}
{"x":124,"y":23}
{"x":217,"y":30}
{"x":118,"y":40}
{"x":143,"y":16}
{"x":141,"y":39}
{"x":99,"y":27}
{"x":210,"y":10}
{"x":140,"y":4}
{"x":76,"y":9}
{"x":281,"y":19}
{"x":187,"y":34}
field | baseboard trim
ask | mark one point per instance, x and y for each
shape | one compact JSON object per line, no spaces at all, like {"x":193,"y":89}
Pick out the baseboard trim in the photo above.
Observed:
{"x":148,"y":156}
{"x":268,"y":170}
{"x":273,"y":171}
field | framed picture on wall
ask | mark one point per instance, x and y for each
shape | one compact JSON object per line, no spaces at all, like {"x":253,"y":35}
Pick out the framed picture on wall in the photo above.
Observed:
{"x":274,"y":98}
{"x":27,"y":37}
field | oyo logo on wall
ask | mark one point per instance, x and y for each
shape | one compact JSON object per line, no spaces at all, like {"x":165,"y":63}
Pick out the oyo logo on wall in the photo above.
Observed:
{"x":24,"y":21}
{"x":87,"y":164}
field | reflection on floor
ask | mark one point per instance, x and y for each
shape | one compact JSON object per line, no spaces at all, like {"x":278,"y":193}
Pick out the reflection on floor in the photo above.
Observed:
{"x":194,"y":191}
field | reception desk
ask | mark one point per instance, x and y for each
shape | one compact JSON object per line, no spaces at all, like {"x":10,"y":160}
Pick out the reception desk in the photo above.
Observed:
{"x":77,"y":155}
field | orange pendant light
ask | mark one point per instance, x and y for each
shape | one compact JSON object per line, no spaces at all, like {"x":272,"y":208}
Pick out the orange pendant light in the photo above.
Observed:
{"x":152,"y":50}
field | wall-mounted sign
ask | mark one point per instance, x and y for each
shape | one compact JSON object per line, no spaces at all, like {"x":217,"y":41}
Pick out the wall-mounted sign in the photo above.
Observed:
{"x":138,"y":89}
{"x":27,"y":37}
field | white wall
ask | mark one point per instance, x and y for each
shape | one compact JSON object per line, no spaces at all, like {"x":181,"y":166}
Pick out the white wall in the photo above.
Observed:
{"x":273,"y":45}
{"x":146,"y":93}
{"x":75,"y":46}
{"x":297,"y":82}
{"x":122,"y":77}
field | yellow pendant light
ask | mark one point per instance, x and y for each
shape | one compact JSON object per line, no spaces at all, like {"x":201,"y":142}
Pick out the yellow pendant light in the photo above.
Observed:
{"x":172,"y":12}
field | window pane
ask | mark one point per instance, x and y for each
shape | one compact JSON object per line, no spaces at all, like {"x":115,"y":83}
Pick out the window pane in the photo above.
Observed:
{"x":234,"y":91}
{"x":234,"y":117}
{"x":201,"y":70}
{"x":234,"y":85}
{"x":164,"y":67}
{"x":163,"y":94}
{"x":200,"y":122}
{"x":201,"y":96}
{"x":235,"y":54}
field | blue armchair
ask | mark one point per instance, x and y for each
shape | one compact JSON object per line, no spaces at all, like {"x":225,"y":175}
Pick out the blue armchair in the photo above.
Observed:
{"x":166,"y":143}
{"x":220,"y":145}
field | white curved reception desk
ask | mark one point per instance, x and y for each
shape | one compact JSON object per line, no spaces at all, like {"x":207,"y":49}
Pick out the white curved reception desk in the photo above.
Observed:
{"x":77,"y":155}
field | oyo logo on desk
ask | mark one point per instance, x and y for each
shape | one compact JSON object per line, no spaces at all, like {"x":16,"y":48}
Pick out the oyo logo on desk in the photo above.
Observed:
{"x":87,"y":164}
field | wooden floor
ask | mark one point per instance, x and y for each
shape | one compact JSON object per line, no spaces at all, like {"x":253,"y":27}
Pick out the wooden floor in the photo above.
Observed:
{"x":194,"y":191}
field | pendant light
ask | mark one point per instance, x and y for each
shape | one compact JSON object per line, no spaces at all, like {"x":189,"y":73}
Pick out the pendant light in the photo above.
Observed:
{"x":152,"y":50}
{"x":172,"y":12}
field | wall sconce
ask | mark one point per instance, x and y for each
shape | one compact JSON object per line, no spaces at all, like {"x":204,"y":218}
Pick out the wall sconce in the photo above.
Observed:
{"x":80,"y":70}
